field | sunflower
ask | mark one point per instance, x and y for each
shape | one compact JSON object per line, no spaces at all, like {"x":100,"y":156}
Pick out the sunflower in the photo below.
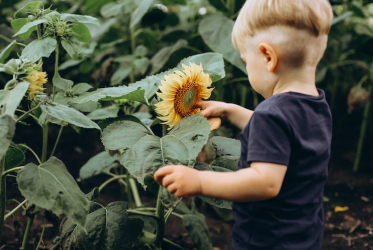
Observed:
{"x":181,"y":90}
{"x":36,"y":79}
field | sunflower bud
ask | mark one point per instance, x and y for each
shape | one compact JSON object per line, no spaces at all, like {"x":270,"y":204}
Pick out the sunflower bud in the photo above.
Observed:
{"x":358,"y":97}
{"x":37,"y":80}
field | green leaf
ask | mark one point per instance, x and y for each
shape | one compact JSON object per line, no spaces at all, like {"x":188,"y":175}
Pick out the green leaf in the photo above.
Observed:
{"x":141,"y":51}
{"x":103,"y":124}
{"x":69,"y":115}
{"x":81,"y":88}
{"x":14,"y":157}
{"x":197,"y":230}
{"x":225,"y":163}
{"x":17,"y":24}
{"x":61,"y":83}
{"x":216,"y":31}
{"x":6,"y":52}
{"x":114,"y":9}
{"x":4,"y":96}
{"x":97,"y":165}
{"x":140,"y":11}
{"x":162,"y":56}
{"x":39,"y":48}
{"x":141,"y":65}
{"x":25,"y":28}
{"x":121,"y":73}
{"x":89,"y":106}
{"x":7,"y":129}
{"x":107,"y":229}
{"x":51,"y":187}
{"x":108,"y":94}
{"x":104,"y":113}
{"x":80,"y":19}
{"x":32,"y":7}
{"x":15,"y":97}
{"x":226,"y":146}
{"x":212,"y":63}
{"x":194,"y":132}
{"x":123,"y":135}
{"x":73,"y":48}
{"x":150,"y":153}
{"x":82,"y":33}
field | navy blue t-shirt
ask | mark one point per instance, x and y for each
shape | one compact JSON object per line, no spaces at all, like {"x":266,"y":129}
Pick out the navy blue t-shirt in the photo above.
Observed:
{"x":291,"y":129}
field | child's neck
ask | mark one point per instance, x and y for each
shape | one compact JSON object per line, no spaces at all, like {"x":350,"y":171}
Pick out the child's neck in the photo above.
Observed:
{"x":301,"y":80}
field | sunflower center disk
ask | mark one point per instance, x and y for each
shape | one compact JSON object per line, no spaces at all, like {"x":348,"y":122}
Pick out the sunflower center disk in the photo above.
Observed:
{"x":185,"y":100}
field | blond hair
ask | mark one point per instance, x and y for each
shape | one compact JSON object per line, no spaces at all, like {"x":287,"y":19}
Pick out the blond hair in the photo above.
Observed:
{"x":313,"y":17}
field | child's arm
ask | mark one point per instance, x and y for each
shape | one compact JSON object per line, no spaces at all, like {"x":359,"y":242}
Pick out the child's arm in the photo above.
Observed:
{"x":235,"y":114}
{"x":259,"y":182}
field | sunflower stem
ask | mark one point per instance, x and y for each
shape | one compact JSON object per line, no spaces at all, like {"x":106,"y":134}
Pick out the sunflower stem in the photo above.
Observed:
{"x":45,"y":142}
{"x":57,"y":140}
{"x":57,"y":54}
{"x":133,"y":47}
{"x":28,"y":227}
{"x":15,"y":209}
{"x":2,"y":194}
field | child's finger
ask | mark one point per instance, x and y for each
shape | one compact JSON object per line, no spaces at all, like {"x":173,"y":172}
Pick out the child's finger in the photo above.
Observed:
{"x":201,"y":105}
{"x":167,"y":180}
{"x":162,"y":172}
{"x":172,"y":188}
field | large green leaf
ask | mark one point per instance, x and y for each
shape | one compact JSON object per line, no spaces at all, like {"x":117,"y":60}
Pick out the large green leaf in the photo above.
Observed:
{"x":6,"y":52}
{"x":194,"y":132}
{"x":150,"y":153}
{"x":162,"y":56}
{"x":121,"y":73}
{"x":82,"y":33}
{"x":113,"y":93}
{"x":69,"y":115}
{"x":61,"y":83}
{"x":80,"y":19}
{"x":225,"y":163}
{"x":197,"y":230}
{"x":212,"y":63}
{"x":50,"y":186}
{"x":116,"y":8}
{"x":123,"y":135}
{"x":226,"y":146}
{"x":31,"y":7}
{"x":25,"y":28}
{"x":14,"y":157}
{"x":216,"y":31}
{"x":7,"y":129}
{"x":97,"y":165}
{"x":15,"y":97}
{"x":18,"y":23}
{"x":4,"y":96}
{"x":108,"y":228}
{"x":140,"y":11}
{"x":73,"y":48}
{"x":39,"y":48}
{"x":104,"y":113}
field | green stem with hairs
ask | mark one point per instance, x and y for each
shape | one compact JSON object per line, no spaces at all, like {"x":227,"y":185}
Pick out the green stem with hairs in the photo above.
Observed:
{"x":2,"y":194}
{"x":28,"y":227}
{"x":110,"y":180}
{"x":161,"y":222}
{"x":26,"y":113}
{"x":128,"y":190}
{"x":363,"y":131}
{"x":15,"y":209}
{"x":45,"y":142}
{"x":135,"y":192}
{"x":42,"y":234}
{"x":57,"y":140}
{"x":32,"y":151}
{"x":5,"y":173}
{"x":57,"y":54}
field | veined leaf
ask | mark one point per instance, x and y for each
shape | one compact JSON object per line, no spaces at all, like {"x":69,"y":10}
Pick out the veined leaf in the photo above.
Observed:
{"x":32,"y":7}
{"x":197,"y":229}
{"x":25,"y":28}
{"x":15,"y":97}
{"x":4,"y":96}
{"x":97,"y":165}
{"x":6,"y":52}
{"x":18,"y":23}
{"x":81,"y":88}
{"x":14,"y":157}
{"x":7,"y":129}
{"x":73,"y":48}
{"x":107,"y":229}
{"x":82,"y":33}
{"x":226,"y":146}
{"x":216,"y":31}
{"x":39,"y":48}
{"x":61,"y":83}
{"x":65,"y":114}
{"x":79,"y":19}
{"x":104,"y":113}
{"x":50,"y":186}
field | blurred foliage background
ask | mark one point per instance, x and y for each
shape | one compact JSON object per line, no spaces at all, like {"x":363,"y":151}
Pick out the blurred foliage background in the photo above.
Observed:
{"x":135,"y":42}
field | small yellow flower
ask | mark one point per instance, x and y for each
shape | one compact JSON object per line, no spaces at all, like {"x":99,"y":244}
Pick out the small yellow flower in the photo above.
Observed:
{"x":180,"y":92}
{"x":36,"y":79}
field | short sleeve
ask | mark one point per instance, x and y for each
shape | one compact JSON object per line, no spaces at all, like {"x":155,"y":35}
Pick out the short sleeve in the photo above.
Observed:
{"x":269,"y":139}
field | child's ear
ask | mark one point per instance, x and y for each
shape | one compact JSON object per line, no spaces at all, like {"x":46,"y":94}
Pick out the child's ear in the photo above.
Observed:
{"x":269,"y":56}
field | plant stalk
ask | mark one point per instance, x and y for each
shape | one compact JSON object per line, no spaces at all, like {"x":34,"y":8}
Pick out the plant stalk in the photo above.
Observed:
{"x":57,"y":54}
{"x":2,"y":194}
{"x":231,"y":7}
{"x":110,"y":180}
{"x":135,"y":192}
{"x":42,"y":234}
{"x":243,"y":96}
{"x":161,"y":222}
{"x":32,"y":151}
{"x":133,"y":47}
{"x":128,"y":190}
{"x":363,"y":131}
{"x":57,"y":140}
{"x":15,"y":209}
{"x":28,"y":227}
{"x":45,"y":142}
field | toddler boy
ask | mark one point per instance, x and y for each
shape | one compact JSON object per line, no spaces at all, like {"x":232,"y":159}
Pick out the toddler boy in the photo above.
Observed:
{"x":277,"y":192}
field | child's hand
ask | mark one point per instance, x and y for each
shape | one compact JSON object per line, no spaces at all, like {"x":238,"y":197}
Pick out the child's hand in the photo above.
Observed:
{"x":179,"y":180}
{"x":213,"y":109}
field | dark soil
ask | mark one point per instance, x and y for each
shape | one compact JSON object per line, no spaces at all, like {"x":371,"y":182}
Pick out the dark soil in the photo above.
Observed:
{"x":351,"y":229}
